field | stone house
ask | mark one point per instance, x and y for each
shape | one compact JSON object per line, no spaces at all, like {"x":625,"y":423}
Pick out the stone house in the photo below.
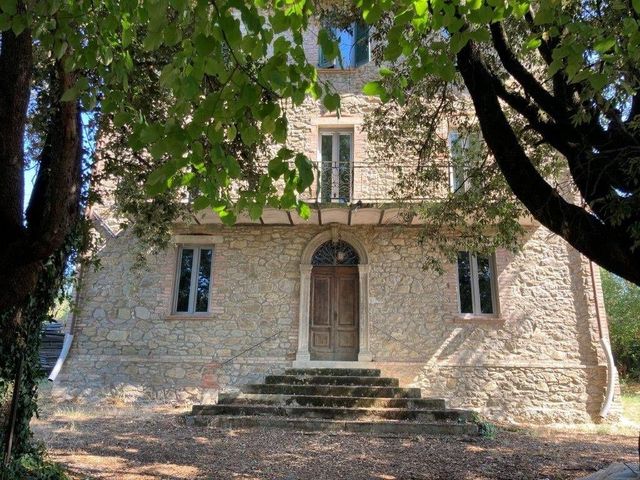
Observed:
{"x":512,"y":336}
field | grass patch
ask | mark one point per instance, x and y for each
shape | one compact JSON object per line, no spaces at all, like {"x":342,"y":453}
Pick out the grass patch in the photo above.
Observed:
{"x":631,"y":400}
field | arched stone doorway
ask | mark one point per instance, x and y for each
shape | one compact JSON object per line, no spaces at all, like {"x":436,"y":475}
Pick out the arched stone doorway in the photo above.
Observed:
{"x":334,"y":299}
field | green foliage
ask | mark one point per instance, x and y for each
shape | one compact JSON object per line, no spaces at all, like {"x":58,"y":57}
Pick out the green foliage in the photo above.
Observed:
{"x":589,"y":45}
{"x":482,"y":213}
{"x":53,"y":287}
{"x":487,"y":430}
{"x":32,"y":466}
{"x":194,"y":93}
{"x":622,"y":302}
{"x":221,"y":89}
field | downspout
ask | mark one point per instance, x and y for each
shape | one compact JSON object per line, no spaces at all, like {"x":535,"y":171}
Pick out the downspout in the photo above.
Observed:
{"x":606,"y":347}
{"x":68,"y":336}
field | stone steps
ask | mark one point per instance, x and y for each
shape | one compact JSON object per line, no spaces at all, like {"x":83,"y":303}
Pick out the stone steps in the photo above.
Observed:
{"x":331,"y":399}
{"x":331,"y":380}
{"x":333,"y":390}
{"x":337,"y":372}
{"x":330,"y":413}
{"x":386,"y":427}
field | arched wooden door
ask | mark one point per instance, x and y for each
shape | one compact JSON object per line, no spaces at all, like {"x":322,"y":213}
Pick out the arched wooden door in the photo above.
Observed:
{"x":333,"y":325}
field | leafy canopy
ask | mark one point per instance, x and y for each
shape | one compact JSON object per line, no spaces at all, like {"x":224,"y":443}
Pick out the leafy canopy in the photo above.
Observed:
{"x":227,"y":70}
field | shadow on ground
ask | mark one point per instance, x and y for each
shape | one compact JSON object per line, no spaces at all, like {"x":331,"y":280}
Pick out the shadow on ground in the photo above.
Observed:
{"x":130,"y":443}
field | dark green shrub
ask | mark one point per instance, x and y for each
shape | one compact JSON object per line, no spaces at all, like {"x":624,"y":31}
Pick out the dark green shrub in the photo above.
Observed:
{"x":32,"y":467}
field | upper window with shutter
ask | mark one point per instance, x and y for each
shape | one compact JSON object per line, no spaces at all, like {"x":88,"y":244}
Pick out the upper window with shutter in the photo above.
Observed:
{"x":353,"y":44}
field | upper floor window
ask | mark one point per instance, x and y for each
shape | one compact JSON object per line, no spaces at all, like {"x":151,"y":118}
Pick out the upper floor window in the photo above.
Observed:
{"x":476,"y":283}
{"x":353,"y":43}
{"x":336,"y":154}
{"x":464,"y":151}
{"x":458,"y":148}
{"x":193,"y":279}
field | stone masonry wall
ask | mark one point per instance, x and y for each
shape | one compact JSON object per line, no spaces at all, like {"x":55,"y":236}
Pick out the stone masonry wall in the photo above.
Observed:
{"x":537,"y":361}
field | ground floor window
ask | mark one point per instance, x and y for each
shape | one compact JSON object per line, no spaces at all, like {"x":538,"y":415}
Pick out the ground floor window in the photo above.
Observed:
{"x":193,"y":279}
{"x":476,"y":283}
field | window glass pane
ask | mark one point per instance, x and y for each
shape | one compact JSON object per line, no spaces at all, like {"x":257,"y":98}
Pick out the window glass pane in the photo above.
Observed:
{"x":325,"y":167}
{"x":361,"y":43}
{"x":204,"y":280}
{"x":464,"y":282}
{"x":457,"y":146}
{"x":484,"y":283}
{"x":344,"y":185}
{"x":184,"y":281}
{"x":345,"y":39}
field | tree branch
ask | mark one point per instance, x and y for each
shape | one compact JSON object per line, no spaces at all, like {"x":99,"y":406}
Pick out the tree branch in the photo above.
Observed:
{"x":554,"y":107}
{"x":551,"y":132}
{"x":580,"y":228}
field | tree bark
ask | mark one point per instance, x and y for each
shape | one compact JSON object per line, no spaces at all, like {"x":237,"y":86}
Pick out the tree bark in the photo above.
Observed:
{"x":54,"y":204}
{"x":16,"y":64}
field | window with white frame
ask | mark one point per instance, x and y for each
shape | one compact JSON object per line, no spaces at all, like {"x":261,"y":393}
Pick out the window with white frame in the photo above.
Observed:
{"x":457,"y":146}
{"x":476,"y":283}
{"x":463,"y":151}
{"x":336,"y":166}
{"x":193,"y":279}
{"x":353,"y":44}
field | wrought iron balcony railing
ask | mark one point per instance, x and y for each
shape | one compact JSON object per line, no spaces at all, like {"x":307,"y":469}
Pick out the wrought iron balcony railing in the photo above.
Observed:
{"x":365,"y":182}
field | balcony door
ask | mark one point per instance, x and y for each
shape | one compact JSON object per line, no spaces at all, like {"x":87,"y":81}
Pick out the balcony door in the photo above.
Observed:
{"x":336,"y":166}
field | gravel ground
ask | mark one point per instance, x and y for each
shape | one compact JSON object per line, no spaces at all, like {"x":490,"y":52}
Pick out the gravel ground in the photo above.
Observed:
{"x":154,"y":443}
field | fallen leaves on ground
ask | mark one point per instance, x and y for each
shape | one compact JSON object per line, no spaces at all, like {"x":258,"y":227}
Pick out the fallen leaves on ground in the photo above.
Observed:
{"x":154,"y":443}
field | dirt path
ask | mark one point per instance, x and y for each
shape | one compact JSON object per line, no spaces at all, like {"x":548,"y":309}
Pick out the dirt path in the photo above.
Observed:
{"x":152,"y":444}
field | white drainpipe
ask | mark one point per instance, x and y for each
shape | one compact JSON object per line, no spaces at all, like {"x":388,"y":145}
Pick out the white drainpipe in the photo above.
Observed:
{"x":606,"y":347}
{"x":68,"y":336}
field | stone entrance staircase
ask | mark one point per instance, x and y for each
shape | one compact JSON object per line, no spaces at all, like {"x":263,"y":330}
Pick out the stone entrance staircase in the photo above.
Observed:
{"x":323,"y":399}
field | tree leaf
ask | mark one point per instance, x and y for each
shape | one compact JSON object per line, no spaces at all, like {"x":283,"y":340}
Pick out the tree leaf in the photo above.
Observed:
{"x":374,"y":88}
{"x":604,"y":45}
{"x":69,"y":95}
{"x":305,"y":172}
{"x":331,"y":101}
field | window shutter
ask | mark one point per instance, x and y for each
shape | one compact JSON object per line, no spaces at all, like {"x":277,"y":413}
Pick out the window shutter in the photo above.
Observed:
{"x":361,"y":46}
{"x":324,"y":62}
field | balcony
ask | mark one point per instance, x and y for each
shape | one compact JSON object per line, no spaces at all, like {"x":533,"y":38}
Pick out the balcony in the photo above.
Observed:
{"x":358,"y":193}
{"x":349,"y":193}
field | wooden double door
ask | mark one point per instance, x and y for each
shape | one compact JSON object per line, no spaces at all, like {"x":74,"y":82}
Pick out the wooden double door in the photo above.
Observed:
{"x":333,"y":325}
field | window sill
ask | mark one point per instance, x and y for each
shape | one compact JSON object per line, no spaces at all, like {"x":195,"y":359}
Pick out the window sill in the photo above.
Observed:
{"x":189,"y":316}
{"x":338,"y":69}
{"x":478,"y":319}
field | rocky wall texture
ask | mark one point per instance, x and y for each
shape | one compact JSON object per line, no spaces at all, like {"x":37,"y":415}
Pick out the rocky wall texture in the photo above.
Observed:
{"x":538,"y":360}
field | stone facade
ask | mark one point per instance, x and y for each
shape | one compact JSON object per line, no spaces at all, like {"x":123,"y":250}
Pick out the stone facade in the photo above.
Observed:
{"x":538,"y":360}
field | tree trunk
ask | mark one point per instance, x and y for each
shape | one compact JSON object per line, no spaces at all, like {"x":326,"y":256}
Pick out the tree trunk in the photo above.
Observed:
{"x":54,"y":204}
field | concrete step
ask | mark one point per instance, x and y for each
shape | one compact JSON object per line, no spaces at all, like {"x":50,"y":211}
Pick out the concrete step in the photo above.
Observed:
{"x":353,"y":426}
{"x":333,"y":390}
{"x":329,"y":401}
{"x":332,"y":380}
{"x":336,"y":413}
{"x":337,"y":372}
